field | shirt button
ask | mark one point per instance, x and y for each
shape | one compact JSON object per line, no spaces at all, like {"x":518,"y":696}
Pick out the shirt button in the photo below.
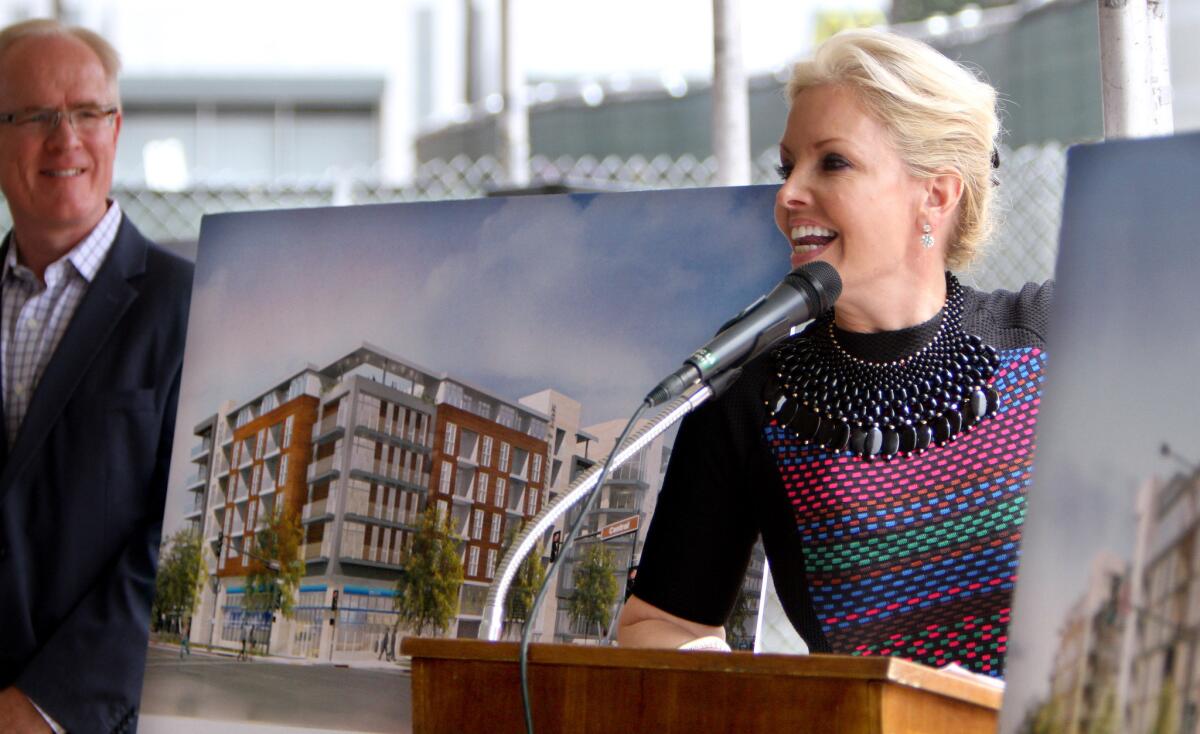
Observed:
{"x":19,"y":390}
{"x":32,"y":323}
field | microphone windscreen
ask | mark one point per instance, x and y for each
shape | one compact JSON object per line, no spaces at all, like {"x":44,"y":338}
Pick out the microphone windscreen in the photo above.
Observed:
{"x":824,"y":282}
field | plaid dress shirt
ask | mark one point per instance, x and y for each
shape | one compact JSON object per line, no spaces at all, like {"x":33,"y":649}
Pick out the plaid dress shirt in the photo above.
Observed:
{"x":36,"y":315}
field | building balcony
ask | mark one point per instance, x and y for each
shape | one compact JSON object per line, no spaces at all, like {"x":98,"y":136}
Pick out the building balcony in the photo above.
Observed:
{"x":201,"y":449}
{"x":326,"y":468}
{"x":193,"y":510}
{"x":329,"y":429}
{"x":197,"y":481}
{"x":315,"y":552}
{"x":375,"y":558}
{"x":320,"y":509}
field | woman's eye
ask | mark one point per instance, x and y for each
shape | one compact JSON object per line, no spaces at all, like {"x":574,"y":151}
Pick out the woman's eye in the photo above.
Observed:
{"x":834,"y":162}
{"x":784,"y":170}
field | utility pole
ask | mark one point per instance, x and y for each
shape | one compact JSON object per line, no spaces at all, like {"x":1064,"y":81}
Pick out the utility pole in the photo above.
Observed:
{"x":1135,"y":70}
{"x":730,"y":99}
{"x":514,"y":118}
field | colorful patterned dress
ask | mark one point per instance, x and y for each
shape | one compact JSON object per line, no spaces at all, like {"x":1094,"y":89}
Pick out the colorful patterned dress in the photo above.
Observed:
{"x":913,"y":556}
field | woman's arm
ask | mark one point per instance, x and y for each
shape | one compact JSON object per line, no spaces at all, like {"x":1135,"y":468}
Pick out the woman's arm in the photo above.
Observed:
{"x":644,"y":625}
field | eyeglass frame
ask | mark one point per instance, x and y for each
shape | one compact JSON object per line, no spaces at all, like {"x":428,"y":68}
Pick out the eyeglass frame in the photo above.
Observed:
{"x":58,"y":114}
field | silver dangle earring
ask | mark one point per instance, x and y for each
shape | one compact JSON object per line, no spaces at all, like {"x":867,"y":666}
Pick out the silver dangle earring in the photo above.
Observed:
{"x":926,"y":238}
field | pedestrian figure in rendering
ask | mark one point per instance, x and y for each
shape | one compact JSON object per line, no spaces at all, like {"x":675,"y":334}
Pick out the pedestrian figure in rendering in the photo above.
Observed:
{"x":383,"y":645}
{"x":185,"y":645}
{"x":93,"y":322}
{"x":245,"y":653}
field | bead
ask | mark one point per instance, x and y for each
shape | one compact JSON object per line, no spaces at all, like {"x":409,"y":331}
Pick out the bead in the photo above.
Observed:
{"x":839,"y":437}
{"x":805,"y":424}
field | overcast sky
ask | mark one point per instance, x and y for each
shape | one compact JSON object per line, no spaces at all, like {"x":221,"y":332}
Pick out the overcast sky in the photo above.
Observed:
{"x":1125,"y":352}
{"x":596,"y":296}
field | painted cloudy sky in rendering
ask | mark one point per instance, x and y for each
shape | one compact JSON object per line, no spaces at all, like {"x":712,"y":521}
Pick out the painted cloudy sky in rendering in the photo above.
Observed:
{"x":1124,"y":354}
{"x":597,"y":296}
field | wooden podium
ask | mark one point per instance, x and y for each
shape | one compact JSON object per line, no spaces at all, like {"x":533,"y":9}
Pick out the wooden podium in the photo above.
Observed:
{"x":466,"y":686}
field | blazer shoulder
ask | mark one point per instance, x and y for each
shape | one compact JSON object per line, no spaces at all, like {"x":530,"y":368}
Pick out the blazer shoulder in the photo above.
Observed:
{"x":1008,"y":319}
{"x":164,"y":271}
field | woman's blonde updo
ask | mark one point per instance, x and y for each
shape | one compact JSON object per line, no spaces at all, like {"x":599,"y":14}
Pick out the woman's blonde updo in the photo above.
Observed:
{"x":941,"y":117}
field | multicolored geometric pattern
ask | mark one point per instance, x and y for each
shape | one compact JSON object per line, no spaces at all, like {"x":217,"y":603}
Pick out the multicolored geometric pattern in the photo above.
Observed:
{"x":916,"y":557}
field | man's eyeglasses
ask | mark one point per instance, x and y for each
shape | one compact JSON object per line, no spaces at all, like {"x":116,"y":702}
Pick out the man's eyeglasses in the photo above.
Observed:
{"x":85,"y":119}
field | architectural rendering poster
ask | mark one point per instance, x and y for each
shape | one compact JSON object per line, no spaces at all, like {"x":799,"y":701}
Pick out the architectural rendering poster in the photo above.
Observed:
{"x":1106,"y":621}
{"x":344,"y":364}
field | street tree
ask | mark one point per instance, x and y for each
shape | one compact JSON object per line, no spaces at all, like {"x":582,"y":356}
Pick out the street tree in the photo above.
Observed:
{"x":528,"y":579}
{"x":276,"y":567}
{"x":427,"y":591}
{"x":590,"y":604}
{"x":181,"y":574}
{"x":739,"y":614}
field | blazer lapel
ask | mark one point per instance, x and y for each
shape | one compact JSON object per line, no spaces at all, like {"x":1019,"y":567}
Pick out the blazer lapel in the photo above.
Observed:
{"x":107,"y":298}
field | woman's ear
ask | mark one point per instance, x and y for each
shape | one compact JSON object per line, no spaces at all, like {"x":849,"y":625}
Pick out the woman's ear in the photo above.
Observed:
{"x":942,"y":194}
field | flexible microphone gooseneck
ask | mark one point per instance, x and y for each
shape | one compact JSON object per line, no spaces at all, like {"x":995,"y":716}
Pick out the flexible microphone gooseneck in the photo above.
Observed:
{"x":806,"y":292}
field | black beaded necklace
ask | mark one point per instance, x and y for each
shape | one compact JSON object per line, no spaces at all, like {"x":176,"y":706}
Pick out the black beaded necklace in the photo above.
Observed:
{"x":831,"y":398}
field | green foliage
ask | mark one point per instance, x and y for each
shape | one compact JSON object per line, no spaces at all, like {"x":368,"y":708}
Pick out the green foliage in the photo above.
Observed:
{"x":528,"y":579}
{"x":181,"y":574}
{"x":595,"y":591}
{"x":905,"y":11}
{"x":1166,"y":720}
{"x":1105,"y":719}
{"x":427,"y":592}
{"x":277,"y":568}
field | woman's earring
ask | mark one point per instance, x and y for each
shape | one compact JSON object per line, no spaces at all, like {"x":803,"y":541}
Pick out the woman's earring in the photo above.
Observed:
{"x":926,"y":238}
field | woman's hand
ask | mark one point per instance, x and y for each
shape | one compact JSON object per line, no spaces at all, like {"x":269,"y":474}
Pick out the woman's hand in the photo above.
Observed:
{"x":644,"y":625}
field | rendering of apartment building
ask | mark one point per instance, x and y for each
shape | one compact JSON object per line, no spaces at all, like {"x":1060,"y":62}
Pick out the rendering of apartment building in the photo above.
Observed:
{"x":358,"y":450}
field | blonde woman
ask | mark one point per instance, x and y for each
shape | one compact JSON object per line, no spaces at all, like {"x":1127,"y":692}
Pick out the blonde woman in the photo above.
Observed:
{"x":883,"y":453}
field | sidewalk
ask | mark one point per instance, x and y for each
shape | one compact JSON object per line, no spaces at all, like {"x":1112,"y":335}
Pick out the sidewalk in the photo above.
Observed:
{"x":402,"y":664}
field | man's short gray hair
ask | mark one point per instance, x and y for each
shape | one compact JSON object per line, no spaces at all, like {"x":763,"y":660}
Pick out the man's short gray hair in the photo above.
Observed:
{"x":40,"y":27}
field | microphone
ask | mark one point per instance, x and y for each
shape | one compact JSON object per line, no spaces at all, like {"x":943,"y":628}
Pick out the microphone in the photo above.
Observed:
{"x":806,"y":292}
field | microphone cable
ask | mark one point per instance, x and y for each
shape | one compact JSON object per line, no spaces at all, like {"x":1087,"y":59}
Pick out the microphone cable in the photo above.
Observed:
{"x":586,"y":507}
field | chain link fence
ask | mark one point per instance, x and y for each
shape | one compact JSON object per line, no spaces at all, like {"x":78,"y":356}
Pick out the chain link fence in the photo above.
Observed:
{"x":1023,"y":249}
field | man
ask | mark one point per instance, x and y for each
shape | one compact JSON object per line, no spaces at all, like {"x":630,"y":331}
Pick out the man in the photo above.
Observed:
{"x":91,"y":348}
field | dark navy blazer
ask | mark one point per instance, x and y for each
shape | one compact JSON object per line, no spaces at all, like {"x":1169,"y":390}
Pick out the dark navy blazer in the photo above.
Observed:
{"x":82,"y":493}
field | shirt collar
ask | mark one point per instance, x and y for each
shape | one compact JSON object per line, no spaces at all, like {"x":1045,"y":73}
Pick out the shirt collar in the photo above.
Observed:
{"x":87,"y":256}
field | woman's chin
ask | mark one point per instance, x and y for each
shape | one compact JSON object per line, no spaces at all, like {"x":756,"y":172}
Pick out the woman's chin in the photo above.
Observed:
{"x":806,"y":256}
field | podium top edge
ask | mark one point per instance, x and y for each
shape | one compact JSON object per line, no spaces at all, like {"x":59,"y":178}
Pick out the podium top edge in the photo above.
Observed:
{"x":882,"y":669}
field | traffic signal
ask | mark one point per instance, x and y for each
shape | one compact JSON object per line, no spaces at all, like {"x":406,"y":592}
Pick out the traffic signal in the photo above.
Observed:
{"x":555,"y":545}
{"x":220,"y":542}
{"x":630,"y":576}
{"x":333,"y":607}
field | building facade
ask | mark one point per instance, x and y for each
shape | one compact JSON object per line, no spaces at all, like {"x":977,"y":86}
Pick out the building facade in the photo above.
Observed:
{"x":357,"y":451}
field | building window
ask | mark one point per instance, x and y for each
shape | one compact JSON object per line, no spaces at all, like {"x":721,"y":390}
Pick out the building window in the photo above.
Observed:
{"x":443,"y":508}
{"x":535,"y":474}
{"x":495,"y":531}
{"x":473,"y":563}
{"x":531,"y":494}
{"x":477,"y":525}
{"x":485,"y":452}
{"x":282,"y":471}
{"x":450,"y":432}
{"x":491,"y":563}
{"x":287,"y":430}
{"x":501,"y":485}
{"x":444,"y":480}
{"x":507,"y":416}
{"x":482,"y":489}
{"x":504,"y":448}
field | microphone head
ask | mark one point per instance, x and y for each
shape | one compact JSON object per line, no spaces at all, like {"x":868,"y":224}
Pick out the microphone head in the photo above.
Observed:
{"x":821,"y":281}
